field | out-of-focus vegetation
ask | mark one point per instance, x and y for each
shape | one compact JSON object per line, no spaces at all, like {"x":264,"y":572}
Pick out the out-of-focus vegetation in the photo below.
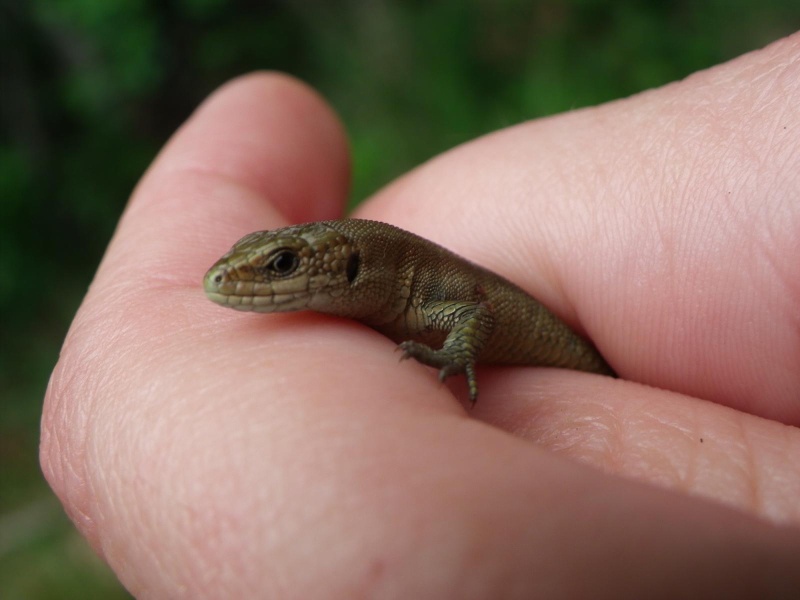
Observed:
{"x":90,"y":89}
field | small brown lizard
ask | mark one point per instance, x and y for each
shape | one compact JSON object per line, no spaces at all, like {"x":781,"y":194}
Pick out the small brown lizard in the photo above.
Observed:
{"x":443,"y":310}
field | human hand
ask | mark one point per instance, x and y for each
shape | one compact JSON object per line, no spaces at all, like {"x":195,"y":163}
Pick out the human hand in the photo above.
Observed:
{"x":209,"y":453}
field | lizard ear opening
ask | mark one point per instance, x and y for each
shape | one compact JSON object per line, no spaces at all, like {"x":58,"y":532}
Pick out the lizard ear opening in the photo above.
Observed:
{"x":352,"y":266}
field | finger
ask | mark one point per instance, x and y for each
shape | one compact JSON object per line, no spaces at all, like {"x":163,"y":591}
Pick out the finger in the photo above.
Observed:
{"x":261,"y":149}
{"x":294,"y":155}
{"x":660,"y":437}
{"x":277,"y":489}
{"x":234,"y":168}
{"x":662,"y":230}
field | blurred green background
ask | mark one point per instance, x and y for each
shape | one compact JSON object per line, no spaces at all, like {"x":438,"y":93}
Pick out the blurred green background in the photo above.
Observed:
{"x":90,"y":90}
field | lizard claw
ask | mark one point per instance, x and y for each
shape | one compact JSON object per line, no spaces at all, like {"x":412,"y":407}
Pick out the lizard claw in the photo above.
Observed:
{"x":408,"y":348}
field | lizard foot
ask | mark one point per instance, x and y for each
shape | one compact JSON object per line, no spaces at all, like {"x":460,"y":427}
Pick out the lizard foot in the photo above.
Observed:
{"x":448,"y":363}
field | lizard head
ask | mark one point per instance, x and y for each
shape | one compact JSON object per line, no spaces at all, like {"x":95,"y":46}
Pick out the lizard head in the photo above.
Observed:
{"x":294,"y":268}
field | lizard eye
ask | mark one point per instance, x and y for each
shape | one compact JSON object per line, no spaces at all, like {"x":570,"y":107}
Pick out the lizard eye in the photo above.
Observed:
{"x":283,"y":262}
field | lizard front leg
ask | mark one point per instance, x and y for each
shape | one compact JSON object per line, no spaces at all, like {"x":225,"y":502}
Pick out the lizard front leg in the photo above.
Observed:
{"x":468,"y":326}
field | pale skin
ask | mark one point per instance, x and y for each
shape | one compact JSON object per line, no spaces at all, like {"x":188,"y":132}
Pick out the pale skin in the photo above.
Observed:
{"x":207,"y":453}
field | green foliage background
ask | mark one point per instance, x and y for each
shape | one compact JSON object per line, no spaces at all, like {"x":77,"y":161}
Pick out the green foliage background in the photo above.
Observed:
{"x":90,"y":89}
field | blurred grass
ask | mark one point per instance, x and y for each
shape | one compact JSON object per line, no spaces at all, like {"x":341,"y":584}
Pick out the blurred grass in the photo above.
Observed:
{"x":91,"y":89}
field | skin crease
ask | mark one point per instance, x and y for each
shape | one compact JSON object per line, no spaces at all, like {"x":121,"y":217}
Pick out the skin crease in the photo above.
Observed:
{"x":206,"y":453}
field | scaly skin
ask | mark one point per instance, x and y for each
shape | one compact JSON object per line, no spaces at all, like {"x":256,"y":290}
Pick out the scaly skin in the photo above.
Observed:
{"x":415,"y":292}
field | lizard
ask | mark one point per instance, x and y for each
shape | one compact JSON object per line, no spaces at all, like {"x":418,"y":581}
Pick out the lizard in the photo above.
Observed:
{"x":443,"y":310}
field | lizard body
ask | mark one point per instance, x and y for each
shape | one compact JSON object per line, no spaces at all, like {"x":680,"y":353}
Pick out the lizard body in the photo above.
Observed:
{"x":443,"y":310}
